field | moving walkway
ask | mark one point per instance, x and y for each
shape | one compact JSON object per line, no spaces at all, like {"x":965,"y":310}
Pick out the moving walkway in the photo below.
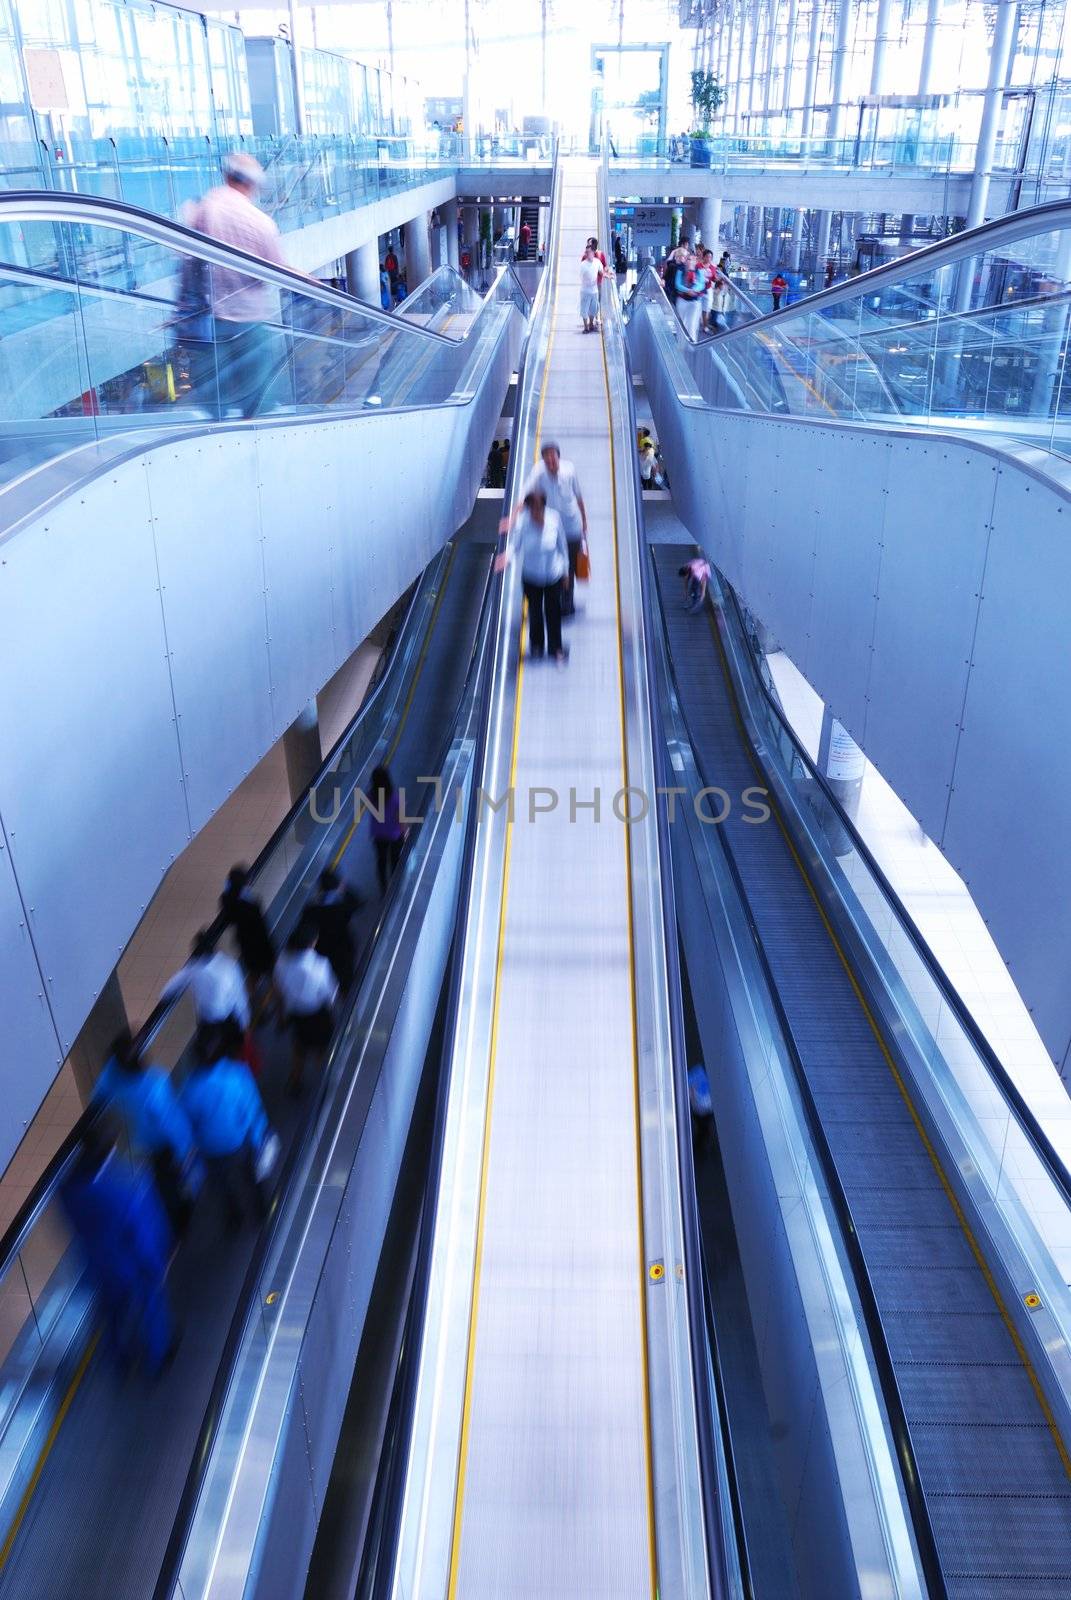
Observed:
{"x":949,"y":1202}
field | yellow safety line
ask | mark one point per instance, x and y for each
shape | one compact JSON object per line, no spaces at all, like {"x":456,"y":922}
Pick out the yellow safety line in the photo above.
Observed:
{"x":626,"y":829}
{"x":976,"y":1250}
{"x":474,"y":1303}
{"x":35,"y":1476}
{"x":466,"y":1416}
{"x":407,"y":707}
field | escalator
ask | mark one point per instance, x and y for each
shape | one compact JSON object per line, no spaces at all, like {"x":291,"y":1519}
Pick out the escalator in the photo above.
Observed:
{"x":977,"y":1400}
{"x":103,"y":1529}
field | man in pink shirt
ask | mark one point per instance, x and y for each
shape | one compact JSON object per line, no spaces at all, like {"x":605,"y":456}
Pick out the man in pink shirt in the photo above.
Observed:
{"x":243,"y":307}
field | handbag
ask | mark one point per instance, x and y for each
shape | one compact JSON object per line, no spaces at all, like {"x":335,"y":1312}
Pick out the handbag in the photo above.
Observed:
{"x":583,"y":564}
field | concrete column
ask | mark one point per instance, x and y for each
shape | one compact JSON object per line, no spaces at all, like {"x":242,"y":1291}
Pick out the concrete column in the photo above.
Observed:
{"x":774,"y":254}
{"x":301,"y":747}
{"x":821,"y":249}
{"x":90,"y":1050}
{"x":710,"y":222}
{"x":840,"y":67}
{"x":811,"y":80}
{"x":453,"y":248}
{"x":417,"y":252}
{"x":796,"y":245}
{"x":881,"y":40}
{"x":929,"y":41}
{"x":362,"y":272}
{"x":999,"y":57}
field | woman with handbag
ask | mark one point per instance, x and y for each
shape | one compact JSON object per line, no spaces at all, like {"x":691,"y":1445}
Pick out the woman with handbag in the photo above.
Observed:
{"x":544,"y":568}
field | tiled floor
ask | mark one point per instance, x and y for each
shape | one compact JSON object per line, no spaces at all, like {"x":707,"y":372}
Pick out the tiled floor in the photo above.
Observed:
{"x":942,"y":908}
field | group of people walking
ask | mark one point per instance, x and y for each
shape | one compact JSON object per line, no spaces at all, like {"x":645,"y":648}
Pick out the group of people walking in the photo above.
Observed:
{"x":127,"y":1207}
{"x":549,"y":527}
{"x":699,"y":287}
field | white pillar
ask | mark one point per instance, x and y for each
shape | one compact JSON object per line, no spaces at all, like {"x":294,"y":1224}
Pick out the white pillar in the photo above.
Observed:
{"x":812,"y":69}
{"x":881,"y":40}
{"x":710,"y":221}
{"x":417,"y":252}
{"x":929,"y":40}
{"x":999,"y":56}
{"x":821,"y":249}
{"x":362,"y":272}
{"x":752,"y":82}
{"x":449,"y":213}
{"x":796,"y":247}
{"x":840,"y":67}
{"x":790,"y":47}
{"x":771,"y":64}
{"x":738,"y":89}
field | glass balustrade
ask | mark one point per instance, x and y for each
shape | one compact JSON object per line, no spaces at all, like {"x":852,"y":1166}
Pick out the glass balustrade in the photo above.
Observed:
{"x":973,"y":339}
{"x":110,"y":328}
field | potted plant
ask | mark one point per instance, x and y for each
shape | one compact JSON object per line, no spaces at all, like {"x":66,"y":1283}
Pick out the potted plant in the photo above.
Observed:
{"x":707,"y":99}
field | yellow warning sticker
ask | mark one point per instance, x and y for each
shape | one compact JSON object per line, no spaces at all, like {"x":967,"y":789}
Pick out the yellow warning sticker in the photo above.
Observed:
{"x":1031,"y":1300}
{"x":270,"y":1299}
{"x":656,"y":1271}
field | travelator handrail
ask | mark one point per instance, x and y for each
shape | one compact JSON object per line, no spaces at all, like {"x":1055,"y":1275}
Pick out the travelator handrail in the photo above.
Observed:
{"x":1027,"y":1119}
{"x":51,"y":205}
{"x":941,"y":253}
{"x":879,"y":1348}
{"x":377,"y":1564}
{"x":47,"y":1185}
{"x":448,"y":274}
{"x":711,"y":1414}
{"x":244,"y":1307}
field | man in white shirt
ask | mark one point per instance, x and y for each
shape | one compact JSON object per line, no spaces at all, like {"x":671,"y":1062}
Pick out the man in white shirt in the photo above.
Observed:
{"x":590,"y":277}
{"x":243,"y":307}
{"x":557,"y":482}
{"x":308,"y":991}
{"x":216,"y":982}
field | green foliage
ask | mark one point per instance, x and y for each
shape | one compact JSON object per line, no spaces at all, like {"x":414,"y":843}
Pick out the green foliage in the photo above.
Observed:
{"x":649,"y":104}
{"x":708,"y":97}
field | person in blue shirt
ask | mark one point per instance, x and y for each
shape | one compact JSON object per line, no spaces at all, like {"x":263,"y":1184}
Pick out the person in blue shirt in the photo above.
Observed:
{"x":221,"y":1099}
{"x":156,"y":1125}
{"x":117,"y":1219}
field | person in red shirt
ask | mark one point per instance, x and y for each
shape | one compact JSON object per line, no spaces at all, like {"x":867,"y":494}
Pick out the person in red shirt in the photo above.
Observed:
{"x":526,"y":239}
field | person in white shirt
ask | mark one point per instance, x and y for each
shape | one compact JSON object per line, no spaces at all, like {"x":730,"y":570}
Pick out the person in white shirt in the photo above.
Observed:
{"x":215,"y":981}
{"x":590,"y":274}
{"x":308,"y":991}
{"x":557,"y":482}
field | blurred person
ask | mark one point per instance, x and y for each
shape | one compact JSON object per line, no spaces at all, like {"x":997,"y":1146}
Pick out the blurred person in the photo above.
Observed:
{"x":620,"y":258}
{"x":556,"y":480}
{"x":544,"y":558}
{"x":228,"y":1119}
{"x":385,"y":299}
{"x":141,"y":1096}
{"x":496,"y":468}
{"x":215,"y":981}
{"x":386,"y":826}
{"x":691,"y":287}
{"x":647,"y":462}
{"x":696,"y":575}
{"x":590,"y":278}
{"x":526,"y":240}
{"x":115,"y":1215}
{"x":778,"y":287}
{"x":308,"y":992}
{"x":600,"y":255}
{"x":242,"y":911}
{"x":701,"y":1104}
{"x":242,"y":306}
{"x":331,"y":911}
{"x":390,"y":264}
{"x":709,"y":272}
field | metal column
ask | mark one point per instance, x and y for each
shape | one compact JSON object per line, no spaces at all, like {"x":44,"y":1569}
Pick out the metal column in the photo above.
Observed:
{"x":999,"y":57}
{"x":811,"y":81}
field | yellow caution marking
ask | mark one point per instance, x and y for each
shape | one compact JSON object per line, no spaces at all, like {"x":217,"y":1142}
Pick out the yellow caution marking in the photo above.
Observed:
{"x":656,"y":1272}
